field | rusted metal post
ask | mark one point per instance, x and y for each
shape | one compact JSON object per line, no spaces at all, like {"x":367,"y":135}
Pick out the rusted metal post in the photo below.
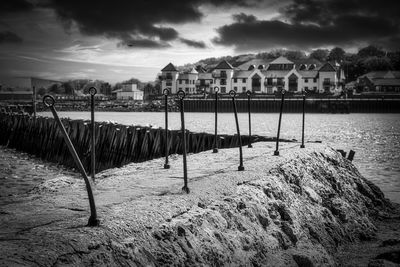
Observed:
{"x":232,"y":94}
{"x":166,"y":93}
{"x":93,"y":92}
{"x":181,"y":95}
{"x":276,"y":152}
{"x":248,"y":93}
{"x":304,"y":111}
{"x":49,"y":101}
{"x":215,"y":148}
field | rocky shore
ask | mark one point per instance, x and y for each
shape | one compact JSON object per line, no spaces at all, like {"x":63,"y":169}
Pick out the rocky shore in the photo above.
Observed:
{"x":307,"y":207}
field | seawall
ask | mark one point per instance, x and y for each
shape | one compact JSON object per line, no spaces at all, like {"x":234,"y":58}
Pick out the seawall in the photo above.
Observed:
{"x":295,"y":105}
{"x":297,"y":209}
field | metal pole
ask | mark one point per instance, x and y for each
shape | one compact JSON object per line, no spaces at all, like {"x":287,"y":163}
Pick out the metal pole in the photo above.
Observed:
{"x":215,"y":149}
{"x":49,"y":101}
{"x":34,"y":101}
{"x":249,"y":110}
{"x":166,"y":92}
{"x":93,"y":92}
{"x":232,"y":93}
{"x":276,"y":152}
{"x":181,"y":95}
{"x":304,"y":111}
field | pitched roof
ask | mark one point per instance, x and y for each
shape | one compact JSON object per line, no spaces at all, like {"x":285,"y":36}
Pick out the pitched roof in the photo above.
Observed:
{"x":224,"y":65}
{"x":327,"y":67}
{"x":200,"y":69}
{"x":169,"y":67}
{"x":281,"y":60}
{"x":256,"y":76}
{"x":193,"y":71}
{"x":257,"y":62}
{"x":382,"y":75}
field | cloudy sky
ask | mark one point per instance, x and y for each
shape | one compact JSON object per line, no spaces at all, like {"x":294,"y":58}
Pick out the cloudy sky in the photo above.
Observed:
{"x":117,"y":40}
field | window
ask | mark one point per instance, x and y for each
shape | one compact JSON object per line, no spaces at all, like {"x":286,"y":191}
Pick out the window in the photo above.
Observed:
{"x":315,"y":80}
{"x":306,"y":88}
{"x":244,"y":80}
{"x":305,"y":80}
{"x":235,"y":80}
{"x":269,"y":81}
{"x":180,"y":81}
{"x":223,"y":74}
{"x":168,"y":83}
{"x":315,"y":88}
{"x":223,"y":89}
{"x":187,"y":89}
{"x":235,"y":88}
{"x":244,"y":88}
{"x":186,"y":81}
{"x":223,"y":82}
{"x":211,"y":81}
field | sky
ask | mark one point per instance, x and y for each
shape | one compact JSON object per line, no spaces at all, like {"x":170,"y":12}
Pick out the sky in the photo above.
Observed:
{"x":117,"y":40}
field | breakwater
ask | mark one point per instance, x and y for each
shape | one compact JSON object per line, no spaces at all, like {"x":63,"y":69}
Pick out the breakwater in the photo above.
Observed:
{"x":293,"y":105}
{"x":116,"y":144}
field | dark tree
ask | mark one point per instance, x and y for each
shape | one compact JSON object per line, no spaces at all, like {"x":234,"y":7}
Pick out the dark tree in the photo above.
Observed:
{"x":336,"y":54}
{"x":68,"y":89}
{"x":320,"y":54}
{"x":376,"y":63}
{"x":371,"y":51}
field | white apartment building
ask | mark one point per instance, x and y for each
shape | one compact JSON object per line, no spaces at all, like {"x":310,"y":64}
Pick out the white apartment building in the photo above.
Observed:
{"x":263,"y":77}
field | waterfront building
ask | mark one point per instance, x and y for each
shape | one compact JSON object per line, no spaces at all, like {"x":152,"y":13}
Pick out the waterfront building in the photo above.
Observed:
{"x":379,"y":82}
{"x":129,"y":91}
{"x":258,"y":76}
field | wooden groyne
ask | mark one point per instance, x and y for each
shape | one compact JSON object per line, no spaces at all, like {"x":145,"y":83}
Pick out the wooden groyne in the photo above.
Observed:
{"x":294,"y":105}
{"x":116,"y":144}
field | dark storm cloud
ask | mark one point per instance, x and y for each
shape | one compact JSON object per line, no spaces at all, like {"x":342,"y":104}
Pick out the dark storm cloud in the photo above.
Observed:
{"x":196,"y":44}
{"x":313,"y":23}
{"x":8,"y":6}
{"x":149,"y":43}
{"x":128,"y":19}
{"x":9,"y":37}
